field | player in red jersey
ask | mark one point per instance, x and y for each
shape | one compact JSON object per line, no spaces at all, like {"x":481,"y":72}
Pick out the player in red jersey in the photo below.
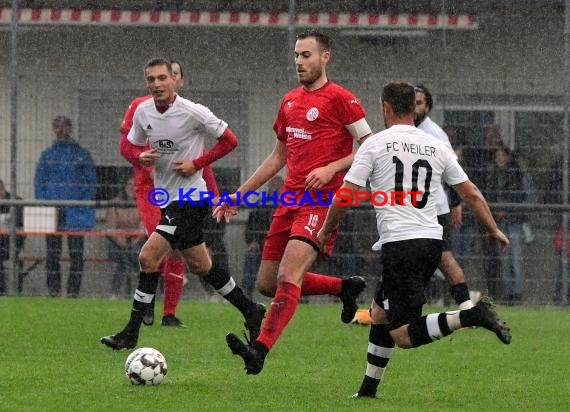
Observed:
{"x":174,"y":266}
{"x":316,"y":126}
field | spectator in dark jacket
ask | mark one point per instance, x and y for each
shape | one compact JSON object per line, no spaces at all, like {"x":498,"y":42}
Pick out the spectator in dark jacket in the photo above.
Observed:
{"x":6,"y":224}
{"x":65,"y":171}
{"x":507,"y":183}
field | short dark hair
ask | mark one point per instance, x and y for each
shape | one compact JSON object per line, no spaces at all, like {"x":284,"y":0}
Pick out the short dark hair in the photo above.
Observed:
{"x":422,"y":89}
{"x":158,"y":61}
{"x":401,"y":96}
{"x":179,"y":65}
{"x":323,"y":40}
{"x":63,"y":119}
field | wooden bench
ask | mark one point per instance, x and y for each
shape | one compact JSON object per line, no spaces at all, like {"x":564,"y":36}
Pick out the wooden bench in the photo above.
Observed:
{"x":34,"y":261}
{"x":28,"y":263}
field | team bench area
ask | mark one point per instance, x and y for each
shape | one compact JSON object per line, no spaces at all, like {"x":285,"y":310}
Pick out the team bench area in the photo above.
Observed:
{"x":29,"y":259}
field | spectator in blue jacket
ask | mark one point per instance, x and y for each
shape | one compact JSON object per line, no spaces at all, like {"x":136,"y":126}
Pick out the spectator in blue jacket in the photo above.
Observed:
{"x":65,"y":171}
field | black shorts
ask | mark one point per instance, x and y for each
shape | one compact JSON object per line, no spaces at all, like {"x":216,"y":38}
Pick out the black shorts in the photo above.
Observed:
{"x":182,"y":226}
{"x":407,"y":266}
{"x":445,"y":222}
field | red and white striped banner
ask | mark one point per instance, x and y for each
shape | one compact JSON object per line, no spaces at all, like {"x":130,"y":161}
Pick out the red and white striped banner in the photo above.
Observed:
{"x":238,"y":19}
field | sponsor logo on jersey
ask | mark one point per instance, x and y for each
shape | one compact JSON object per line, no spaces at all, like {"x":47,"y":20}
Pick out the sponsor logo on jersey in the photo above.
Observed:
{"x":165,"y":146}
{"x":296,"y":133}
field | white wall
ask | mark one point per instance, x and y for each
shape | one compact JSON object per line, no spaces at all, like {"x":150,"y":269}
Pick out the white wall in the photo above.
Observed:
{"x":507,"y":57}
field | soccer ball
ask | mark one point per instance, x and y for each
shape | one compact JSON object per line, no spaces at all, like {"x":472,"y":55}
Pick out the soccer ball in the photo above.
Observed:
{"x":146,"y":366}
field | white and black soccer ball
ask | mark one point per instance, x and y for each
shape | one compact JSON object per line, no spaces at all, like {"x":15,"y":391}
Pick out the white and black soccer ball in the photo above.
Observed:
{"x":146,"y":366}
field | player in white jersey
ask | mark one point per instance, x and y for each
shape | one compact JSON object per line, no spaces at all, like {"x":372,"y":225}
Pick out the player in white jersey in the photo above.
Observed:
{"x":401,"y":159}
{"x":176,"y":130}
{"x":448,"y":265}
{"x":180,"y":133}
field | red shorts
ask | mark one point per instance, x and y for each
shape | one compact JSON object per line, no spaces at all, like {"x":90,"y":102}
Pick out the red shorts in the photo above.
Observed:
{"x":290,"y":222}
{"x":149,"y":213}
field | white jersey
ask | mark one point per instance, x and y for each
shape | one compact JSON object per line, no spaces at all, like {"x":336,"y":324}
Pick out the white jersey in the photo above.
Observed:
{"x":431,"y":128}
{"x":177,"y":134}
{"x":401,"y":159}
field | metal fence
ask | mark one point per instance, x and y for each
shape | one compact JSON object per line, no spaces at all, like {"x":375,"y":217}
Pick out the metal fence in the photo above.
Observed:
{"x":541,"y":261}
{"x":501,"y":73}
{"x":535,"y":134}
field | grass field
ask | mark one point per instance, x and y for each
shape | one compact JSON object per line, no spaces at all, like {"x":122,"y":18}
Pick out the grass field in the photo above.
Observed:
{"x":51,"y":360}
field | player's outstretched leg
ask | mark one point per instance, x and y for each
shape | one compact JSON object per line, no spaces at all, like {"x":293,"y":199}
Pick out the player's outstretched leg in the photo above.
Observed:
{"x":483,"y":314}
{"x":144,"y":295}
{"x":351,"y":288}
{"x":226,"y":286}
{"x":253,"y":355}
{"x":379,"y":352}
{"x":315,"y":284}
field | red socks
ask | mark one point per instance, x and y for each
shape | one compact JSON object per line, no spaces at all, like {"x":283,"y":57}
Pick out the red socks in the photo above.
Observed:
{"x":173,"y":276}
{"x":281,"y":311}
{"x":315,"y":284}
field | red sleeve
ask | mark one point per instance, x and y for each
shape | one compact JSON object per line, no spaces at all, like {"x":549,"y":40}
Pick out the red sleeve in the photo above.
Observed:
{"x":226,"y":143}
{"x":348,"y":107}
{"x":131,"y":153}
{"x":128,"y":150}
{"x":280,"y":124}
{"x":130,"y":113}
{"x":210,"y":178}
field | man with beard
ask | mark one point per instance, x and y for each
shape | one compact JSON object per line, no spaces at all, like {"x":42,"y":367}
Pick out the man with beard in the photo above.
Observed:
{"x":448,"y":265}
{"x":410,"y":236}
{"x":316,"y":126}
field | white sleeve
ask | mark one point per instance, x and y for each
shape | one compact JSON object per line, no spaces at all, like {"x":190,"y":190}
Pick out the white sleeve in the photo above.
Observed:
{"x":137,"y":135}
{"x":453,"y":173}
{"x":212,"y":124}
{"x":362,"y":166}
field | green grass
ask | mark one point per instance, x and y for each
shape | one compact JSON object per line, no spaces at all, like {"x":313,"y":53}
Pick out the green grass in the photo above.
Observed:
{"x":51,"y":360}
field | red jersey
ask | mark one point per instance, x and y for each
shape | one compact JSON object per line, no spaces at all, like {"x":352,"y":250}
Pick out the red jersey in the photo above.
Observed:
{"x":129,"y":114}
{"x":312,"y":125}
{"x":142,"y":173}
